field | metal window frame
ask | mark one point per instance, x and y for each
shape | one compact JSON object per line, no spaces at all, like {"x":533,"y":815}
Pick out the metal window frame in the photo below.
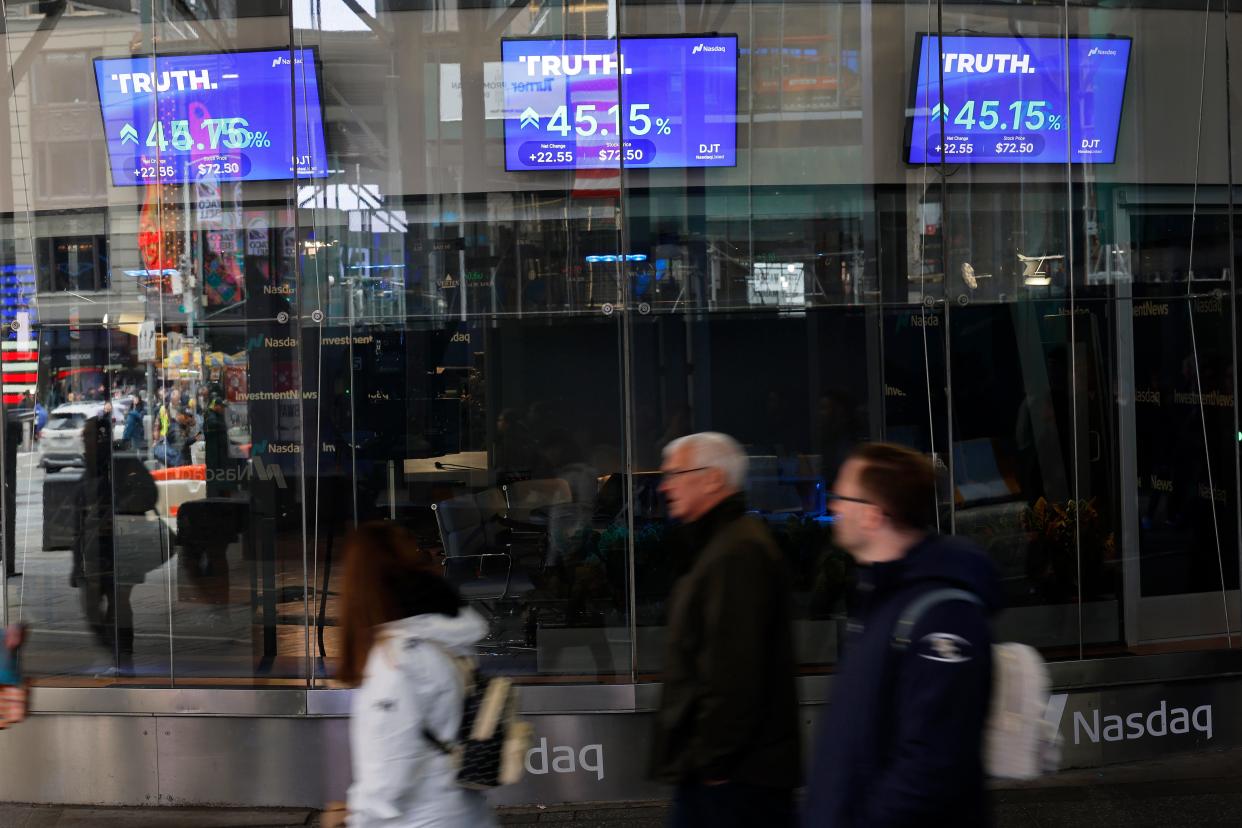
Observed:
{"x":570,"y":699}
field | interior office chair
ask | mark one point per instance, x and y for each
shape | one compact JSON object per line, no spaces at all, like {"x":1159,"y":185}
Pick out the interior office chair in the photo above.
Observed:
{"x":528,"y":495}
{"x":478,"y":557}
{"x":536,"y":508}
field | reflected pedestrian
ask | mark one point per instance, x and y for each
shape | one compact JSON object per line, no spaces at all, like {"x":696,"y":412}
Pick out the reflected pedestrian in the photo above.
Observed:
{"x":174,"y":448}
{"x":901,"y":742}
{"x":14,"y":689}
{"x":163,"y":415}
{"x":726,"y":734}
{"x":134,"y":436}
{"x":216,"y":438}
{"x":105,"y":600}
{"x":403,"y":625}
{"x":40,"y":419}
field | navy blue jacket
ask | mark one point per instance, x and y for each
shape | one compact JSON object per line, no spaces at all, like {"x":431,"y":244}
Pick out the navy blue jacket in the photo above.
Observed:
{"x":134,"y":430}
{"x":901,"y":741}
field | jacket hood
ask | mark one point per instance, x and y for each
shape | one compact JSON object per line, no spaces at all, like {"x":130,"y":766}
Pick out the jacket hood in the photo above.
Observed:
{"x":458,"y":633}
{"x":957,"y":562}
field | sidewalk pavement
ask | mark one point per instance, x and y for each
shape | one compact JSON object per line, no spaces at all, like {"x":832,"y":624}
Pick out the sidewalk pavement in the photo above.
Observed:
{"x":45,"y":816}
{"x":1197,"y":789}
{"x":1180,"y":790}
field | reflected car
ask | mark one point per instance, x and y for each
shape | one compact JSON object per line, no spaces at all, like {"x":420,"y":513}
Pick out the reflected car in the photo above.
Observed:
{"x":61,"y":445}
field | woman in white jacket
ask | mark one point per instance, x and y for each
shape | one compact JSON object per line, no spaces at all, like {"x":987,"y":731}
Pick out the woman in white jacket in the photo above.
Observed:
{"x":402,"y":625}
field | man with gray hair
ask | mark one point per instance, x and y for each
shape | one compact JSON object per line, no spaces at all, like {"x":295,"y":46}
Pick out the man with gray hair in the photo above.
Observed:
{"x":726,"y":734}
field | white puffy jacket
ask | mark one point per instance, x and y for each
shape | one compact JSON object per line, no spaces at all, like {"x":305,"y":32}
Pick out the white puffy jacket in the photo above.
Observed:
{"x":400,"y":780}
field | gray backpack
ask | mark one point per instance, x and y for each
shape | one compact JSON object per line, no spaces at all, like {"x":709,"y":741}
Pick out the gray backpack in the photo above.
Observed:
{"x":1019,"y":741}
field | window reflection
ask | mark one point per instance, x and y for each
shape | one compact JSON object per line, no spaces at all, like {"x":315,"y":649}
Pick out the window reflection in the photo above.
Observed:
{"x":495,"y":358}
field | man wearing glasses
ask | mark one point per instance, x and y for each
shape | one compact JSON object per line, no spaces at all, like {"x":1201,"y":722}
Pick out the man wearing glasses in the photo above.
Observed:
{"x":726,"y":733}
{"x":901,"y":741}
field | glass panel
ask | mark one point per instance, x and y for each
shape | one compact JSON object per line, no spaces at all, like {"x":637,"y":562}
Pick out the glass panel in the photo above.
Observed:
{"x":803,"y":411}
{"x":1153,"y":241}
{"x":162,"y":543}
{"x":998,"y":154}
{"x":460,"y":352}
{"x":782,"y":297}
{"x":471,"y":269}
{"x":229,"y":440}
{"x":91,"y":551}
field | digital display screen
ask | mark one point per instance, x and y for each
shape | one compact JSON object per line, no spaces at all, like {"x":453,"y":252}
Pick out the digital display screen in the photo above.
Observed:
{"x":633,"y":102}
{"x":1017,"y":100}
{"x":225,"y":117}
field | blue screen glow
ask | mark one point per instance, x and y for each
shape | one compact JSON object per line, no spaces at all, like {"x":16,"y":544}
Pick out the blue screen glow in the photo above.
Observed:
{"x":1007,"y":100}
{"x":675,"y":104}
{"x":222,"y":117}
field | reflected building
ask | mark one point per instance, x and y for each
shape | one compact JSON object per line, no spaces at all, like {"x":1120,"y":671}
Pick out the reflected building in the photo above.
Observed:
{"x":405,"y":326}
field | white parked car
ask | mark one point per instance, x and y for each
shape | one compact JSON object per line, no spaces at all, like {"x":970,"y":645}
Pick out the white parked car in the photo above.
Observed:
{"x":60,"y":444}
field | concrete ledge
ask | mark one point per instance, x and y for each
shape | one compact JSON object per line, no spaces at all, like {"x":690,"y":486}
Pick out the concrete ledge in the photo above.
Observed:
{"x":45,"y":816}
{"x":1192,"y":789}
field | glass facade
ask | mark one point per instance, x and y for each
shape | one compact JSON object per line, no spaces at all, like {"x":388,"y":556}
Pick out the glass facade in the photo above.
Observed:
{"x":311,"y":239}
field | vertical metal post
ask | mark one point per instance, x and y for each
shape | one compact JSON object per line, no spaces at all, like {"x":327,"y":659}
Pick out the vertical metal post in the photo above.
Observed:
{"x":873,"y":316}
{"x":1233,"y":294}
{"x":392,"y":491}
{"x":461,"y":274}
{"x":5,"y":515}
{"x":1127,"y":449}
{"x":6,"y":162}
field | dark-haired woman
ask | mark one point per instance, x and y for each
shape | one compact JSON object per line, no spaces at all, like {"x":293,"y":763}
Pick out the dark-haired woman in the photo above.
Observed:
{"x":405,"y":632}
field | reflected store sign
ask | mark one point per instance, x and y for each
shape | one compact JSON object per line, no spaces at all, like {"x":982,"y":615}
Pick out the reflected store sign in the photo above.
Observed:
{"x":493,"y":91}
{"x":261,"y":341}
{"x":256,"y":469}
